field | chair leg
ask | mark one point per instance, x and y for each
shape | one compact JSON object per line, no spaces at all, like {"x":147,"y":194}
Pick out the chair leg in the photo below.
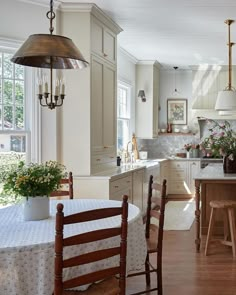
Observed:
{"x":159,"y":281}
{"x":210,"y":230}
{"x":232,"y":229}
{"x":147,"y":269}
{"x":226,"y":225}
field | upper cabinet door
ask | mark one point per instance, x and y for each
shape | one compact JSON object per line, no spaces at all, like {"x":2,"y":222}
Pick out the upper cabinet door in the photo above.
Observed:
{"x":97,"y":37}
{"x":109,"y":45}
{"x":103,"y":41}
{"x":109,"y":108}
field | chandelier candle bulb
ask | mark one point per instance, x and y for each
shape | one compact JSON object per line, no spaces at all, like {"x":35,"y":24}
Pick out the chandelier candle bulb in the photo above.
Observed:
{"x":46,"y":87}
{"x":63,"y":89}
{"x":40,"y":88}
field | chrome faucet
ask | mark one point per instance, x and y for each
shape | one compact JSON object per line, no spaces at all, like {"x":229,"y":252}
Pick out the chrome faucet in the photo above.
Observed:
{"x":127,"y":154}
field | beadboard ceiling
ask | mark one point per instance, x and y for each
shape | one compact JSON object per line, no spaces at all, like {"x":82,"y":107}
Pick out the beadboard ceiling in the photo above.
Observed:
{"x":173,"y":32}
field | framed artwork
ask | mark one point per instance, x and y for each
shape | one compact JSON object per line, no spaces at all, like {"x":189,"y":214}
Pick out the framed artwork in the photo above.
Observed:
{"x":177,"y":111}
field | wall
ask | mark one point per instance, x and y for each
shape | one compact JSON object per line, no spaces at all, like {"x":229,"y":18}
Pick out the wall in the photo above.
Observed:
{"x":184,"y":88}
{"x":18,"y":21}
{"x":126,"y":73}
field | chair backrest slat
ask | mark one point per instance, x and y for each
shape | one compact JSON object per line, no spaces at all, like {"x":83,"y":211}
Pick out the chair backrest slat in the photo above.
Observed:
{"x":96,"y":235}
{"x":91,"y":257}
{"x":91,"y":236}
{"x":90,"y":278}
{"x":92,"y":215}
{"x":63,"y":192}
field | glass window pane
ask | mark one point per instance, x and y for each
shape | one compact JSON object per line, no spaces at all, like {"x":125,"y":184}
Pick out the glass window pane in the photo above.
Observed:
{"x":19,"y":72}
{"x":122,"y":133}
{"x":19,"y":92}
{"x":19,"y":118}
{"x":8,"y":117}
{"x":1,"y":118}
{"x":0,"y":64}
{"x":0,"y":91}
{"x":7,"y":65}
{"x":7,"y":91}
{"x":18,"y":143}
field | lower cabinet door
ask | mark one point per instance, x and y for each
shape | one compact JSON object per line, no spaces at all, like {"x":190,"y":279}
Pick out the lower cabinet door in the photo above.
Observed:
{"x":138,"y":178}
{"x":118,"y":194}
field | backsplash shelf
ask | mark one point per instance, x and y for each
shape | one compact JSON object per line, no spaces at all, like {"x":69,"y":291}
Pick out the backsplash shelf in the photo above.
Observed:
{"x":176,"y":133}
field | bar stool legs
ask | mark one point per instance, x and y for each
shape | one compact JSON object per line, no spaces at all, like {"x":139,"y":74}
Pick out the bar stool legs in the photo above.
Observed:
{"x":229,"y":226}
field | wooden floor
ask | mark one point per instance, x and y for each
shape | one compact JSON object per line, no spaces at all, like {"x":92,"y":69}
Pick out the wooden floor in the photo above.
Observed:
{"x":188,"y":273}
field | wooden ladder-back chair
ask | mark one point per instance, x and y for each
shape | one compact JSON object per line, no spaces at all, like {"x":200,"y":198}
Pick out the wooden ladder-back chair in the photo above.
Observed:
{"x":109,"y":284}
{"x":154,"y":234}
{"x":63,"y":192}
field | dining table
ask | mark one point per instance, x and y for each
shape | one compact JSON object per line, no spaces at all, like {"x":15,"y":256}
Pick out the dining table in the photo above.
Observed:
{"x":27,"y":247}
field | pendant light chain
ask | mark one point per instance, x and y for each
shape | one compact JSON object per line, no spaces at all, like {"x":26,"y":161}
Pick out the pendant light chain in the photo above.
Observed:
{"x":51,"y":15}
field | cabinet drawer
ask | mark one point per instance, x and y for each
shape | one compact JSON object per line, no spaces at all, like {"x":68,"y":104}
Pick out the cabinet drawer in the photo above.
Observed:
{"x":178,"y":187}
{"x":121,"y":184}
{"x":178,"y":174}
{"x":177,"y":165}
{"x":102,"y":159}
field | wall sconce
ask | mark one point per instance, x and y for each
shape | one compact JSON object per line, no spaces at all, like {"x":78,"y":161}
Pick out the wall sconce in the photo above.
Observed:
{"x":141,"y":94}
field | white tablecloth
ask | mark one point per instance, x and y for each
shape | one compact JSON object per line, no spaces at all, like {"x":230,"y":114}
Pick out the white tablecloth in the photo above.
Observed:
{"x":27,"y":247}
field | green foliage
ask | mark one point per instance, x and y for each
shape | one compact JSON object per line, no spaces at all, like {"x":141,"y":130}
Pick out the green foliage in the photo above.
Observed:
{"x":34,"y":179}
{"x":221,"y":141}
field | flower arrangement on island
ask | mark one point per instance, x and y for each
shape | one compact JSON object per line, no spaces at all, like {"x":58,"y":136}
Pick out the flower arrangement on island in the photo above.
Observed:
{"x":221,"y":141}
{"x":34,"y":179}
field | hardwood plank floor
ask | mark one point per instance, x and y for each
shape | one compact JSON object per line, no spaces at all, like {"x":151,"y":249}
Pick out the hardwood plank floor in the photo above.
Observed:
{"x":188,"y":273}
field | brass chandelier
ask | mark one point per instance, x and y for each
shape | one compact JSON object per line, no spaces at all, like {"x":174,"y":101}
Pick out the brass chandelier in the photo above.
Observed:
{"x":51,"y":52}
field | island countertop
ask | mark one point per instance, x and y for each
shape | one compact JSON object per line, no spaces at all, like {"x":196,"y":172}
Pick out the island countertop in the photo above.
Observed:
{"x":214,"y":172}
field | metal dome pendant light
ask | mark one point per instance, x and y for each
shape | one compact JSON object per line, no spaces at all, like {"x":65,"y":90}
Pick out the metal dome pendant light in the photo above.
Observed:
{"x":226,"y":99}
{"x":51,"y":52}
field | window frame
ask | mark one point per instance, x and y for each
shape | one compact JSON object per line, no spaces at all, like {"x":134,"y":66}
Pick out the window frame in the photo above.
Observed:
{"x":128,"y":87}
{"x":32,"y":111}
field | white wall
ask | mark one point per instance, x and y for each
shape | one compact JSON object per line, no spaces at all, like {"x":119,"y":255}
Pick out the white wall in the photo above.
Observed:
{"x":18,"y":21}
{"x":126,"y":73}
{"x":167,"y":87}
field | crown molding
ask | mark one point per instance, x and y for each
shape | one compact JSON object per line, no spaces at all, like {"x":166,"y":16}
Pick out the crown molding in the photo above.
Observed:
{"x":10,"y":43}
{"x":132,"y":58}
{"x":42,"y":3}
{"x":149,"y":62}
{"x":94,"y":10}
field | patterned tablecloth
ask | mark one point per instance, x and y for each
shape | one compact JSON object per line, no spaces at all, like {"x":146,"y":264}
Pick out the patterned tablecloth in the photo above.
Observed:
{"x":27,"y":247}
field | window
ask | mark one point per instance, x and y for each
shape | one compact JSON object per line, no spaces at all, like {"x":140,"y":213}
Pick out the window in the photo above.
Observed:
{"x":19,"y":113}
{"x":123,"y":115}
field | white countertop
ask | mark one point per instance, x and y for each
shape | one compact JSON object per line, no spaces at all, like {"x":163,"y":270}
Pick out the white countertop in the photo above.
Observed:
{"x":124,"y":169}
{"x":214,"y":171}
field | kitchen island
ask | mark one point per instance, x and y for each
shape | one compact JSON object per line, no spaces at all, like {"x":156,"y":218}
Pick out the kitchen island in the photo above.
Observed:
{"x":211,"y":183}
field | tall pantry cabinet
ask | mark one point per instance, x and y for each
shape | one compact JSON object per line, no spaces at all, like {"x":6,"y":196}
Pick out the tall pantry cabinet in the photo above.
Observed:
{"x":87,"y":122}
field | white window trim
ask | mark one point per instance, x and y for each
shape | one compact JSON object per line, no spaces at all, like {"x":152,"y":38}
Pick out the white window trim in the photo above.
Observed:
{"x":33,"y":125}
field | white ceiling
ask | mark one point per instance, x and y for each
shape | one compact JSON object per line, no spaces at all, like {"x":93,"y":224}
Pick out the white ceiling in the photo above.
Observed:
{"x":173,"y":32}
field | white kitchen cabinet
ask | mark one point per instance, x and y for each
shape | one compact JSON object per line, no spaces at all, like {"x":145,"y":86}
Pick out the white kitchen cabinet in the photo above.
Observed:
{"x":103,"y":41}
{"x":181,"y":176}
{"x":178,"y":177}
{"x":90,"y":146}
{"x":164,"y":173}
{"x":137,"y":181}
{"x":120,"y":187}
{"x":103,"y":107}
{"x":193,"y":169}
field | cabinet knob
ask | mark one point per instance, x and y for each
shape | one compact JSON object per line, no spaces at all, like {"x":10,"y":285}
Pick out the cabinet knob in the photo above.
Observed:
{"x":128,"y":181}
{"x":193,"y":163}
{"x":116,"y":186}
{"x":105,"y":55}
{"x":98,"y":159}
{"x":106,"y":147}
{"x":111,"y":157}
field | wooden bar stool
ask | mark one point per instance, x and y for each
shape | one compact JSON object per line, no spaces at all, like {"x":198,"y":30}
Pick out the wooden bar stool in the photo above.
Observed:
{"x":229,"y":224}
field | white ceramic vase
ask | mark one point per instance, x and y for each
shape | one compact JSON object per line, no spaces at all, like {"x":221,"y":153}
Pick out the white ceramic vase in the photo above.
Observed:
{"x":36,"y":208}
{"x":187,"y":155}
